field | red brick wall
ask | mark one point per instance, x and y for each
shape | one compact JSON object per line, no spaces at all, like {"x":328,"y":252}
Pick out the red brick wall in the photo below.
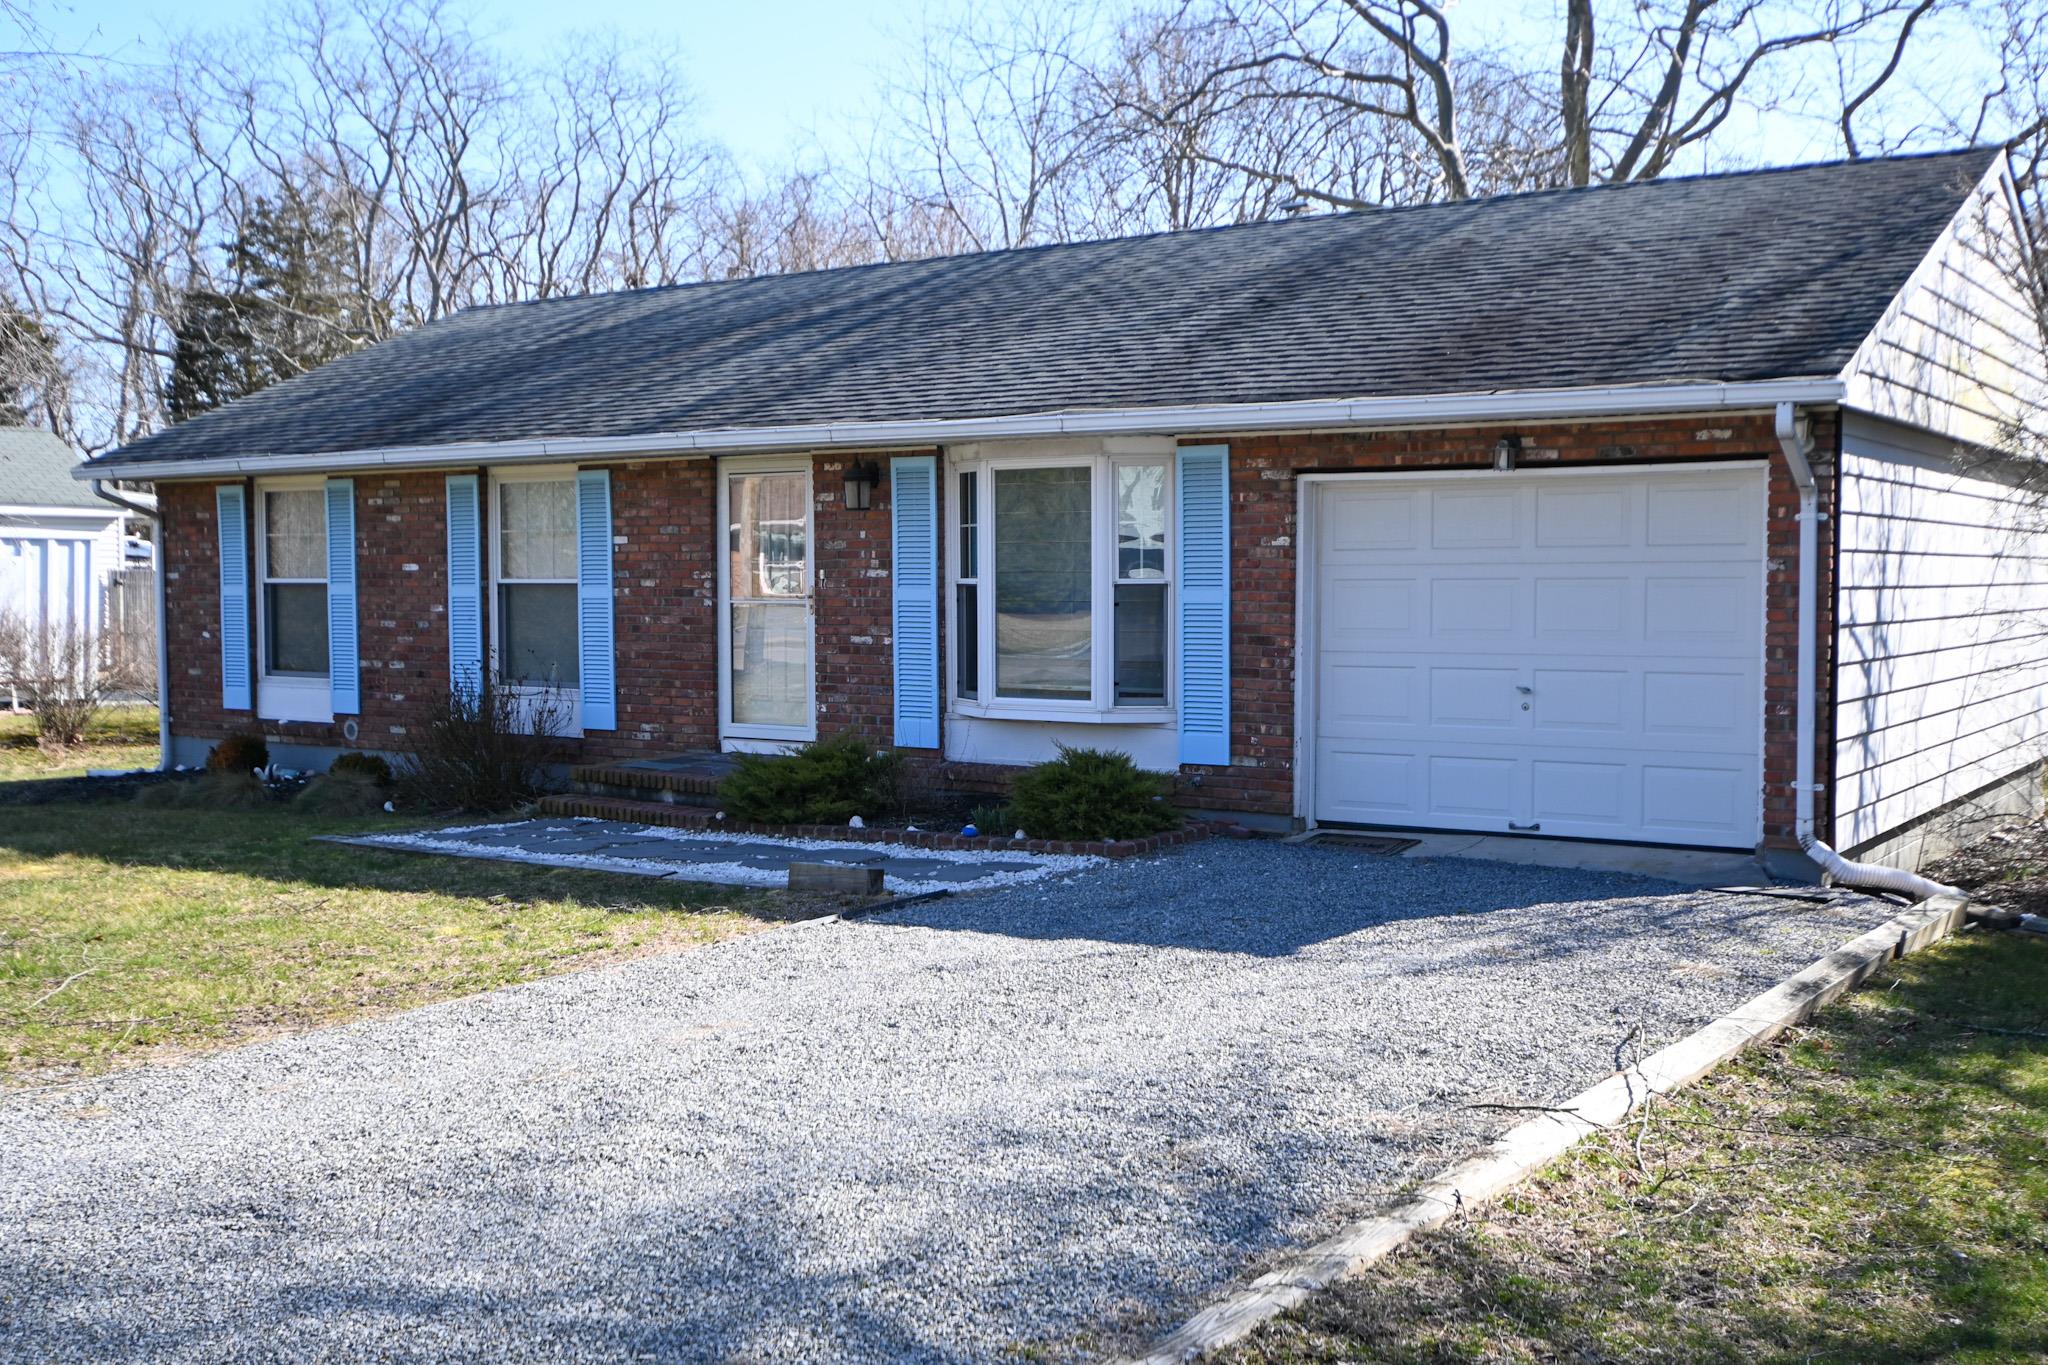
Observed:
{"x":1263,"y":537}
{"x":402,"y":586}
{"x":664,"y":515}
{"x":665,"y":545}
{"x":665,"y":621}
{"x":855,"y":616}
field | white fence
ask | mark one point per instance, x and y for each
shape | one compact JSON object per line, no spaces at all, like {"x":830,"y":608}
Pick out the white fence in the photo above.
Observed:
{"x":67,"y":574}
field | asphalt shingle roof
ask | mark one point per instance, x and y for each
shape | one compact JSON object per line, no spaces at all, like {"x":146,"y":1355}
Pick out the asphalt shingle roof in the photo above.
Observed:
{"x":35,"y":471}
{"x":1749,"y":276}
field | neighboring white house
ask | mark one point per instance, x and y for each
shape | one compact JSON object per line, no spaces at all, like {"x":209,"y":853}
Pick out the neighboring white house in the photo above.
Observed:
{"x":62,"y":547}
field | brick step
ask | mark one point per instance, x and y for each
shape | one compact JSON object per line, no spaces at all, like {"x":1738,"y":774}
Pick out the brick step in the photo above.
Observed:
{"x":647,"y":784}
{"x":589,"y":807}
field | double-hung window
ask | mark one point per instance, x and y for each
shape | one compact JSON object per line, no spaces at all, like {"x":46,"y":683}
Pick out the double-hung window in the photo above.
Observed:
{"x":535,"y":619}
{"x":1061,"y":580}
{"x":291,"y":570}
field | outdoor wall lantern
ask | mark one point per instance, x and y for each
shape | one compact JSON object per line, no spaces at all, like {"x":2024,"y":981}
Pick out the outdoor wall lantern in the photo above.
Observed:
{"x":861,"y":478}
{"x":1505,"y":453}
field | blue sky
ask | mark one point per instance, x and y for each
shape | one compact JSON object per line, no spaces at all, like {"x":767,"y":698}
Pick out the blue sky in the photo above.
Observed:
{"x":766,"y":74}
{"x":775,"y":78}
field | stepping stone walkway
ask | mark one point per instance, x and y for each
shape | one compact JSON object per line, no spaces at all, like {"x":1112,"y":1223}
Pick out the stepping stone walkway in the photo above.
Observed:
{"x":728,"y":860}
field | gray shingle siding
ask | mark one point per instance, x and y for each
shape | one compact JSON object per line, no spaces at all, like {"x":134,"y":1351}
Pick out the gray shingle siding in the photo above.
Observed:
{"x":1753,"y":276}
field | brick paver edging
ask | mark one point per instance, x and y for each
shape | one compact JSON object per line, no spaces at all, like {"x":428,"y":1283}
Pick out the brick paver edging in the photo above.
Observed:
{"x":682,"y":817}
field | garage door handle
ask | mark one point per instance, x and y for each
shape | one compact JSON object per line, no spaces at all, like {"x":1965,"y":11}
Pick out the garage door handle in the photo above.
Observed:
{"x":1524,"y":829}
{"x":1525,"y":691}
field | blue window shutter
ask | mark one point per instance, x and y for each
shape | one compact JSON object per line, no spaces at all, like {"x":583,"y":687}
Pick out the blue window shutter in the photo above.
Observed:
{"x":594,"y":598}
{"x":344,"y":654}
{"x":914,"y":554}
{"x":1203,"y":482}
{"x":465,"y":585}
{"x":231,"y":515}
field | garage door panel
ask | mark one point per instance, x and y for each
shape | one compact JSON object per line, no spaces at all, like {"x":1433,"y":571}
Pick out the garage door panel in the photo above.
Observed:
{"x":1568,"y":790}
{"x":1474,"y":519}
{"x":1359,"y":520}
{"x":1473,"y":606}
{"x":1581,"y":701}
{"x":1702,"y":798}
{"x":1370,"y":611}
{"x":1578,"y":518}
{"x":1589,"y":679}
{"x":1472,"y":785}
{"x":1716,"y":610}
{"x":1686,"y":704}
{"x":1383,"y":695}
{"x":1678,"y":513}
{"x":1370,"y":785}
{"x":1580,"y":607}
{"x":1473,"y":698}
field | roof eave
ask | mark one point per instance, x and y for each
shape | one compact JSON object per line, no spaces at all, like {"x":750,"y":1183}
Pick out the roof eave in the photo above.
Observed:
{"x":1206,"y":419}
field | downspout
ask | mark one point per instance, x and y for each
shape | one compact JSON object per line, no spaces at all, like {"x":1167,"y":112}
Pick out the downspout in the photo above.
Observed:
{"x":121,"y":500}
{"x":1795,"y":438}
{"x":163,"y":647}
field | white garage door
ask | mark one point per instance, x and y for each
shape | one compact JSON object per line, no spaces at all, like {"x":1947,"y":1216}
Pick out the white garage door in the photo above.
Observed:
{"x":1548,"y":652}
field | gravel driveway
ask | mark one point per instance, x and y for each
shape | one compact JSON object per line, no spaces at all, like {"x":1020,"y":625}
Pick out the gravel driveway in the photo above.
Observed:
{"x":1060,"y":1115}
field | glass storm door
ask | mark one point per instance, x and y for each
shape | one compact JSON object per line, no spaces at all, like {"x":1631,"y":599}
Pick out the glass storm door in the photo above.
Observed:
{"x":767,"y":580}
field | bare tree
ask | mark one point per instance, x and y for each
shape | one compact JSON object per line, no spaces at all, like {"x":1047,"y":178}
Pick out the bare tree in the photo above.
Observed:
{"x":1639,"y":85}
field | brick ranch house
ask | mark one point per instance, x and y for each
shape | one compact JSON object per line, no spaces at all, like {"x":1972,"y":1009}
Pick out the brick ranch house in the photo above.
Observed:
{"x":1650,"y":513}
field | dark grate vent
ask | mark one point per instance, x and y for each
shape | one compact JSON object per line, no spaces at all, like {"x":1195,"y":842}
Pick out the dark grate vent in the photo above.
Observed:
{"x":1379,"y":845}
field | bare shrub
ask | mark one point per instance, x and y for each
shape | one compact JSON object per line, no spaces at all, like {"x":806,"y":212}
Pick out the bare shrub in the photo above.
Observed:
{"x":55,"y":671}
{"x":483,"y":749}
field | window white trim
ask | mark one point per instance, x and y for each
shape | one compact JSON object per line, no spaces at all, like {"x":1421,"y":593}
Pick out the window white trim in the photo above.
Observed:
{"x":1102,"y":458}
{"x":570,"y":698}
{"x":734,"y":738}
{"x":287,"y":696}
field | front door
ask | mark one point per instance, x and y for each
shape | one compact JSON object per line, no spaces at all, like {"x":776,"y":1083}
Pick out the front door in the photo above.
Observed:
{"x":765,"y":689}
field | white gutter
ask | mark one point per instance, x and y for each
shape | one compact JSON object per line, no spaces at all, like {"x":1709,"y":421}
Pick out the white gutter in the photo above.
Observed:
{"x":1504,"y":406}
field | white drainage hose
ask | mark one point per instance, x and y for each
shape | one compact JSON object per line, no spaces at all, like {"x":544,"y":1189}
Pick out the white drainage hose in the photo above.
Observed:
{"x":1873,"y":876}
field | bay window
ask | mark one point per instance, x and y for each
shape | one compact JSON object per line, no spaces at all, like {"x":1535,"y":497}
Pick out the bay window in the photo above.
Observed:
{"x":536,"y":583}
{"x":1060,"y":583}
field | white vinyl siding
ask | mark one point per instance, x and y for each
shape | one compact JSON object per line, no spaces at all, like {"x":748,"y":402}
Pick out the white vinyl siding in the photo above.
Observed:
{"x":1942,"y":673}
{"x":1958,"y":351}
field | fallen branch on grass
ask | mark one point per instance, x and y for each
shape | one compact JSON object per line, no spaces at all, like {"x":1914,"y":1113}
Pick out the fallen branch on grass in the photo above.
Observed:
{"x":51,"y":993}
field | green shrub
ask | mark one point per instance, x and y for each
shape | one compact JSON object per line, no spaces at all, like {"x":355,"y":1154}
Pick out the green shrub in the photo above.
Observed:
{"x":997,"y":822}
{"x":238,"y":754}
{"x":220,"y":789}
{"x":1091,"y":794}
{"x":482,"y":749}
{"x":341,"y":791}
{"x":361,"y":764}
{"x":826,"y":783}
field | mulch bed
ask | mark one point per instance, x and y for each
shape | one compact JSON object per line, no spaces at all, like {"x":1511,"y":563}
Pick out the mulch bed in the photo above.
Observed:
{"x":77,"y":791}
{"x":2008,"y":867}
{"x":686,"y":817}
